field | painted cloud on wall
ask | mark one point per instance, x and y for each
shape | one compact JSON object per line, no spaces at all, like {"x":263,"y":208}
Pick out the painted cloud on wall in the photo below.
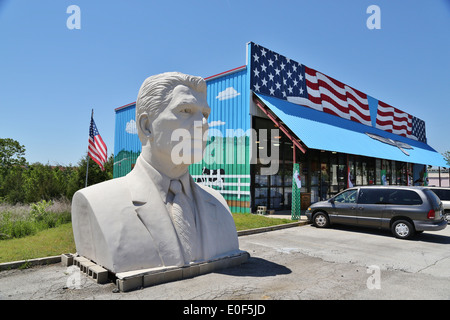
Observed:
{"x":228,"y":93}
{"x":216,"y":123}
{"x":131,"y":127}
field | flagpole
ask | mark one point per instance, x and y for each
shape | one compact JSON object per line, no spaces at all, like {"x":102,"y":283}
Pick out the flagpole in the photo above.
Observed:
{"x":87,"y":157}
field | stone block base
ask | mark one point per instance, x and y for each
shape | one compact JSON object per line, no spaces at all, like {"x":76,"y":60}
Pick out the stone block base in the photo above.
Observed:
{"x":92,"y":270}
{"x":127,"y":281}
{"x":131,"y":280}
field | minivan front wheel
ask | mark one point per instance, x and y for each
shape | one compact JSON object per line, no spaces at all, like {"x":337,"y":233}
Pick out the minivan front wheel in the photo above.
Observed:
{"x":321,"y":220}
{"x":402,"y":229}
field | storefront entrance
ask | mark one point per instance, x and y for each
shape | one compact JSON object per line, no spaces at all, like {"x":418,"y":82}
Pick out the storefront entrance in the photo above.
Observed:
{"x":323,"y":173}
{"x":272,"y":191}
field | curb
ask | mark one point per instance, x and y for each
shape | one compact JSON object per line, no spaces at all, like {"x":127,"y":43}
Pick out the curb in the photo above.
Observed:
{"x":272,"y":228}
{"x":30,"y":262}
{"x":57,"y":259}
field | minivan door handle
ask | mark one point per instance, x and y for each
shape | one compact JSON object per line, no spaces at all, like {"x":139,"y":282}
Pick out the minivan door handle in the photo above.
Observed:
{"x":361,"y":208}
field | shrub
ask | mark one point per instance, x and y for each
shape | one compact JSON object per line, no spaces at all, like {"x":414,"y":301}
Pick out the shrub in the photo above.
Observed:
{"x":15,"y":228}
{"x":38,"y":210}
{"x":39,"y":216}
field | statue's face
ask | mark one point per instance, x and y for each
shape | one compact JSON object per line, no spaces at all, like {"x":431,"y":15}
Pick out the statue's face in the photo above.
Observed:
{"x":179,"y":129}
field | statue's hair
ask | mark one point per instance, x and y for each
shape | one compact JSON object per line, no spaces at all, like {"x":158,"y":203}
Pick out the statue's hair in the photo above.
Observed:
{"x":156,"y":91}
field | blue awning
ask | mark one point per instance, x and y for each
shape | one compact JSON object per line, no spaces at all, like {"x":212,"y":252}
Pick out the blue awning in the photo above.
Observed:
{"x":323,"y":131}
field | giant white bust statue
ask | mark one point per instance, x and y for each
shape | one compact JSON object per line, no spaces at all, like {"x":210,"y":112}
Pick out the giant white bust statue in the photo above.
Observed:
{"x":157,"y":216}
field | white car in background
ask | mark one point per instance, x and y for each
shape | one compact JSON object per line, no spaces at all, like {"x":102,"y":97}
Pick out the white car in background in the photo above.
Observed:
{"x":444,"y":195}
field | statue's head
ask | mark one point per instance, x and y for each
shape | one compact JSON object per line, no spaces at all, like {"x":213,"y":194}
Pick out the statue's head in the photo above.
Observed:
{"x":171,"y":119}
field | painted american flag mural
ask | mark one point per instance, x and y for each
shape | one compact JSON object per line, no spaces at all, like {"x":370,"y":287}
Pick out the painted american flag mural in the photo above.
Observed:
{"x":277,"y":76}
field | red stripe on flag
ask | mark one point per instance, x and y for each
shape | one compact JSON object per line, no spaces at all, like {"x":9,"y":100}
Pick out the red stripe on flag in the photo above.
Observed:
{"x":393,"y":120}
{"x":333,"y":94}
{"x":358,"y":106}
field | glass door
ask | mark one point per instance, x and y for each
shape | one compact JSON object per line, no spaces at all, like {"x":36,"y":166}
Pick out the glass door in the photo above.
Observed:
{"x":261,"y":188}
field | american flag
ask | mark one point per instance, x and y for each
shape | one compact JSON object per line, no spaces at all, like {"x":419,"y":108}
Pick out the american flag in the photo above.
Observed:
{"x":393,"y":120}
{"x":97,"y":148}
{"x":418,"y":129}
{"x":283,"y":78}
{"x":277,"y":76}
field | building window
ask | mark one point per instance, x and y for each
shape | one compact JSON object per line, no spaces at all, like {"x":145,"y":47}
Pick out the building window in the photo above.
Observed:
{"x":324,"y":179}
{"x":364,"y":173}
{"x":401,"y":173}
{"x":261,"y":187}
{"x":334,"y":187}
{"x":386,"y":172}
{"x":342,"y":172}
{"x":377,"y":171}
{"x":393,"y":173}
{"x":314,"y":164}
{"x":358,"y":172}
{"x":351,"y":168}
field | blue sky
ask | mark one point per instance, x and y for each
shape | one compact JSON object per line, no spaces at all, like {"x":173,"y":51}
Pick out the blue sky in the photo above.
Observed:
{"x":51,"y":77}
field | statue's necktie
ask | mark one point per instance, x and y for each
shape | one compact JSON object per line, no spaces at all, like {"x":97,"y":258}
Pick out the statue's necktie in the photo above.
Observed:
{"x":184,"y":220}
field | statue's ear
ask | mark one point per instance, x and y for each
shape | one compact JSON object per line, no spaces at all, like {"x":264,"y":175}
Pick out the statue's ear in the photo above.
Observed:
{"x":144,"y":125}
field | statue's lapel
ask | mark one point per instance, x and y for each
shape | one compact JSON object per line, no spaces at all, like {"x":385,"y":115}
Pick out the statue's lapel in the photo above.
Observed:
{"x":152,"y":211}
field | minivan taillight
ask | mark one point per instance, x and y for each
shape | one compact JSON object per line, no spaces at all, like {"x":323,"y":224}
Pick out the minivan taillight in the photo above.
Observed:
{"x":431,"y":214}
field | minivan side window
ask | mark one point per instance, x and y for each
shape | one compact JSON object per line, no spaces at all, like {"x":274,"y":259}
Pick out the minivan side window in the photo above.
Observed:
{"x":403,"y":197}
{"x":348,"y":196}
{"x":372,"y":196}
{"x":435,"y":200}
{"x":442,"y":194}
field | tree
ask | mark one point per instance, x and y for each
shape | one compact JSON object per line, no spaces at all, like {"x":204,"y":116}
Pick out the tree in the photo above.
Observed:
{"x":21,"y":182}
{"x":12,"y":162}
{"x":446,"y":155}
{"x":11,"y":153}
{"x":45,"y":182}
{"x":11,"y":185}
{"x":96,"y":175}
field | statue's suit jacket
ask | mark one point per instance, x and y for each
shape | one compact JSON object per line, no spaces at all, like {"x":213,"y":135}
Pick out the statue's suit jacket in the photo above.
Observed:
{"x":123,"y":224}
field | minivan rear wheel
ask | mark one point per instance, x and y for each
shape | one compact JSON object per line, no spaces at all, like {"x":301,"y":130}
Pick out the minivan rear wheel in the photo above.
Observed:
{"x":321,"y":220}
{"x":402,"y":229}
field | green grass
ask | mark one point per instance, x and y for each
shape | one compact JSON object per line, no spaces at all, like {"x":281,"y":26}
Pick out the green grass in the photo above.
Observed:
{"x":245,"y":221}
{"x":50,"y":242}
{"x":59,"y":240}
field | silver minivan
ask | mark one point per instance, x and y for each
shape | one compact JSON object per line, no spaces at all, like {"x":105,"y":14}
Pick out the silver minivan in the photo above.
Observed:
{"x":403,"y":210}
{"x":443,"y":194}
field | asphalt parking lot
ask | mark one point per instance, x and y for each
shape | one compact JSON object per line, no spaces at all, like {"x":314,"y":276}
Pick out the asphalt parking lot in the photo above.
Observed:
{"x":344,"y":263}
